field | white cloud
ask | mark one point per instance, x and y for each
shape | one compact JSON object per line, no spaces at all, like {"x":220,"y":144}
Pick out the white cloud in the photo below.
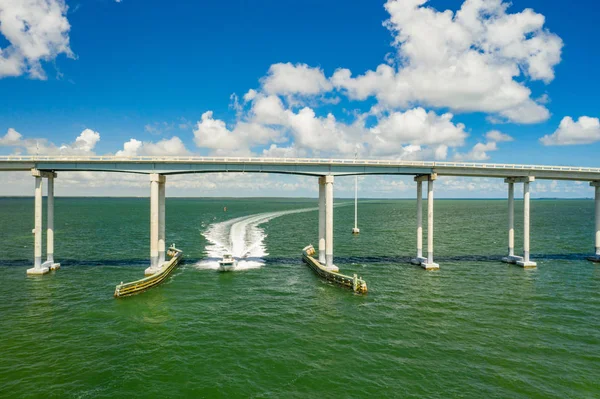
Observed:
{"x":418,"y":127}
{"x":83,"y":145}
{"x":167,"y":147}
{"x":497,"y":136}
{"x":585,"y":131}
{"x":213,"y":134}
{"x":11,"y":138}
{"x":288,"y":79}
{"x":37,"y":30}
{"x":478,"y":153}
{"x":465,"y":61}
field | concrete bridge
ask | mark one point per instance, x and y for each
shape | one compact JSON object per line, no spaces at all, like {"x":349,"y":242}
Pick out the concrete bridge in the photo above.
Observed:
{"x":158,"y":168}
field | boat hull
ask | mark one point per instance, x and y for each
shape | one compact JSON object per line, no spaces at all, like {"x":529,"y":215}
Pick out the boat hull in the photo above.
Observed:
{"x":226,"y":267}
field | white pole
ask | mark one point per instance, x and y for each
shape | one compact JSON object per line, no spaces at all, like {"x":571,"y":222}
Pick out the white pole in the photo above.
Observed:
{"x":355,"y":202}
{"x":430,"y":221}
{"x":322,"y":220}
{"x":598,"y":219}
{"x":161,"y":221}
{"x":329,"y":221}
{"x":154,"y":211}
{"x":419,"y":219}
{"x":50,"y":221}
{"x":38,"y":224}
{"x":511,"y":219}
{"x":526,"y":222}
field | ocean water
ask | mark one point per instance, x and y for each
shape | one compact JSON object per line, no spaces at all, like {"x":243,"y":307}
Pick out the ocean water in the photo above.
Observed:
{"x":476,"y":328}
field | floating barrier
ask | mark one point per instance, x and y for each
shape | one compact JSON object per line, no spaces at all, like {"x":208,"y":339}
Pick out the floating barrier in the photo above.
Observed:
{"x":357,"y":284}
{"x":135,"y":287}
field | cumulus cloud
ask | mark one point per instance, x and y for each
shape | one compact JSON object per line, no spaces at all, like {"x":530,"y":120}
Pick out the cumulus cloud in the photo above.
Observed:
{"x":497,"y":136}
{"x":418,"y":127}
{"x":11,"y":138}
{"x":167,"y":147}
{"x":83,"y":145}
{"x":413,"y":134}
{"x":465,"y":61}
{"x":479,"y":152}
{"x":585,"y":131}
{"x":290,"y":79}
{"x":213,"y":134}
{"x":36,"y":30}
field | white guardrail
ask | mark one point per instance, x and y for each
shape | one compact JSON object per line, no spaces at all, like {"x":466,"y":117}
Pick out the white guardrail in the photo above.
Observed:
{"x":313,"y":161}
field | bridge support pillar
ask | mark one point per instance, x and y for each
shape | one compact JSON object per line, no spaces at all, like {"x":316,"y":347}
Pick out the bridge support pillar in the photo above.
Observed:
{"x":161,"y":220}
{"x":155,"y":226}
{"x":40,"y":268}
{"x":322,"y":239}
{"x":523,"y":261}
{"x":596,"y":257}
{"x":426,"y":263}
{"x":329,"y":223}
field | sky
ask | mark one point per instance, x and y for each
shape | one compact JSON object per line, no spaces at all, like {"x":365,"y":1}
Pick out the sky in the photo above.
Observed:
{"x":452,"y":80}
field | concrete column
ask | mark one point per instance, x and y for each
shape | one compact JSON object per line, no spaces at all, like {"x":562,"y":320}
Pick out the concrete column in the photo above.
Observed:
{"x":50,"y":221}
{"x":526,"y":212}
{"x":322,"y":220}
{"x":511,"y":258}
{"x":419,"y":259}
{"x":526,"y":222}
{"x":38,"y":223}
{"x":419,"y":219}
{"x":511,"y":219}
{"x":329,"y":222}
{"x":37,"y":230}
{"x":430,"y":263}
{"x":597,"y":185}
{"x":155,"y":179}
{"x":355,"y":230}
{"x":596,"y":257}
{"x":161,"y":221}
{"x":426,"y":263}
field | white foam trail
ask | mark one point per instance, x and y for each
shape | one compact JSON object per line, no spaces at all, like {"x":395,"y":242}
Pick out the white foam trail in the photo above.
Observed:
{"x":242,"y":237}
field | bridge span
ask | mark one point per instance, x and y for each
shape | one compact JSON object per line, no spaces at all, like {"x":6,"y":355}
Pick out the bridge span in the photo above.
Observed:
{"x":158,"y":168}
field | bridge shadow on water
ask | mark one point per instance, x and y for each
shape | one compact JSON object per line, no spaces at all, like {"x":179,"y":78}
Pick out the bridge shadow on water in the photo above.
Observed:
{"x":274,"y":260}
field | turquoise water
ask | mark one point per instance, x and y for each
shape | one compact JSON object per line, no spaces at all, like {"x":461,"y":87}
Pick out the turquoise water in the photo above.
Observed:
{"x":475,"y":328}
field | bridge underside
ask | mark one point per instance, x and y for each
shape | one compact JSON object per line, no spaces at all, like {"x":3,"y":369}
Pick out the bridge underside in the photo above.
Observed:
{"x":175,"y":168}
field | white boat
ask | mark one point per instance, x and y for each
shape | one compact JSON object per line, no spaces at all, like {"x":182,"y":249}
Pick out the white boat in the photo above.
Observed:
{"x":227,"y":263}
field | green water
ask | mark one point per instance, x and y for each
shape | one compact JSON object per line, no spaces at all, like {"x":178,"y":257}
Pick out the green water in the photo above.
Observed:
{"x":477,"y":328}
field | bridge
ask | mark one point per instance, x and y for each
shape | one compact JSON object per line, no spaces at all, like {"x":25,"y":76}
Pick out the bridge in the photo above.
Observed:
{"x":158,"y":168}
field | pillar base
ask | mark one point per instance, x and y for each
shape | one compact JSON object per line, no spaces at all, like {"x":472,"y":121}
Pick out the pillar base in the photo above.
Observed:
{"x":151,"y":270}
{"x":355,"y":230}
{"x":595,"y":258}
{"x":51,"y":265}
{"x":38,"y":271}
{"x":512,"y":259}
{"x":418,"y":260}
{"x":430,"y":266}
{"x":154,"y":269}
{"x":332,"y":268}
{"x":526,"y":265}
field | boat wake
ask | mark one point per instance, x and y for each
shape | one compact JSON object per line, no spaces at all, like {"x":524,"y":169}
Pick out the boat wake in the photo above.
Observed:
{"x":242,"y":237}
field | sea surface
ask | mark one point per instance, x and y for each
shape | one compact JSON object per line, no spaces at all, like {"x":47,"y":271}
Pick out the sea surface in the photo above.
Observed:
{"x":476,"y":328}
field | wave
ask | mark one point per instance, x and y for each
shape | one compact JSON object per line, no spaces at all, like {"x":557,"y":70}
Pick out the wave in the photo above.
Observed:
{"x":243,"y":238}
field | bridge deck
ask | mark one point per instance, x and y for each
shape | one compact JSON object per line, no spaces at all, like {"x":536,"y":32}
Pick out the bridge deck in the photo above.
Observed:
{"x":298,"y":166}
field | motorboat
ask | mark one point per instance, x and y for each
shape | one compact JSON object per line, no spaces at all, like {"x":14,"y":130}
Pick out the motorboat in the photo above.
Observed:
{"x":228,"y":263}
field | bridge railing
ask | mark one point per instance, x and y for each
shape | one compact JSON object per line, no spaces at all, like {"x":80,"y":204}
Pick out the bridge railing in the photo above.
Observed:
{"x":299,"y":161}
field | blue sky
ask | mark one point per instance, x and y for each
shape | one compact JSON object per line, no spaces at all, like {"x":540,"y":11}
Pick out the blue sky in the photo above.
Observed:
{"x":91,"y":76}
